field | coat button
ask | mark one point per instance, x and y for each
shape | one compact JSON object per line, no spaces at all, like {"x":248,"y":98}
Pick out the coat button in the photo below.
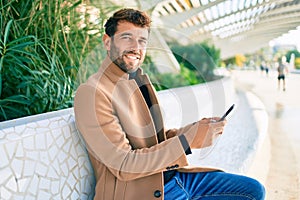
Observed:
{"x":157,"y":193}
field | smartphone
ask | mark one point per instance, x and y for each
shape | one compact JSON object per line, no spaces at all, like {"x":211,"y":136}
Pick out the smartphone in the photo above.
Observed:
{"x":227,"y":112}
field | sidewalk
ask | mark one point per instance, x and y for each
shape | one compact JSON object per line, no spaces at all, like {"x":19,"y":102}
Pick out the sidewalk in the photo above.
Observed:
{"x":277,"y":163}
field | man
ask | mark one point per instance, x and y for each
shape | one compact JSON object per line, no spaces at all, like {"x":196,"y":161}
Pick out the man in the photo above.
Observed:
{"x":133,"y":156}
{"x":282,"y":70}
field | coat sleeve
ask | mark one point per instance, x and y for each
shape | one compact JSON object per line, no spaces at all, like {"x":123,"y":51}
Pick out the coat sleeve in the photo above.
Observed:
{"x":177,"y":132}
{"x":107,"y":142}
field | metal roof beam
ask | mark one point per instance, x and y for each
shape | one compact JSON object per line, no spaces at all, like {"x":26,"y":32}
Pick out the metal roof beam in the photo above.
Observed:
{"x":190,"y":30}
{"x":175,"y":19}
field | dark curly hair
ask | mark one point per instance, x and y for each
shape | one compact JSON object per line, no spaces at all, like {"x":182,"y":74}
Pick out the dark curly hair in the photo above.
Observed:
{"x":136,"y":17}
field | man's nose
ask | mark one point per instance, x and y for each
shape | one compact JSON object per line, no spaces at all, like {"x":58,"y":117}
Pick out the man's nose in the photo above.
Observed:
{"x":135,"y":45}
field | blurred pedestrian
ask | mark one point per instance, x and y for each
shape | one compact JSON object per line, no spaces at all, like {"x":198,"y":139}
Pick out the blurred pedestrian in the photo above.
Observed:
{"x":267,"y":69}
{"x":262,"y":67}
{"x":282,"y":71}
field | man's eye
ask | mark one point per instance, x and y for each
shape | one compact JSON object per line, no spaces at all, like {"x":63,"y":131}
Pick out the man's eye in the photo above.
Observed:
{"x":143,"y":42}
{"x":126,"y":38}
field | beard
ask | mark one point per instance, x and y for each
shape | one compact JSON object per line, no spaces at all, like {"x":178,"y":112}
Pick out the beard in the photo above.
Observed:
{"x":117,"y":58}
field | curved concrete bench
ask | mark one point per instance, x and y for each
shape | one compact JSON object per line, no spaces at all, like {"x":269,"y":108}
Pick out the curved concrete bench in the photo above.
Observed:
{"x":44,"y":157}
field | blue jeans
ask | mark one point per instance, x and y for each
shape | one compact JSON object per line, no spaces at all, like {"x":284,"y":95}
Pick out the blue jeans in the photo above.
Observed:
{"x":213,"y":185}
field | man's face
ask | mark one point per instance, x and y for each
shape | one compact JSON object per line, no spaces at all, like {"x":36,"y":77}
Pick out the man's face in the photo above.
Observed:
{"x":127,"y":48}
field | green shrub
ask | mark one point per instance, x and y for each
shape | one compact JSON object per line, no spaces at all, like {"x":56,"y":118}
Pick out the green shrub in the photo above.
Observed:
{"x":296,"y":54}
{"x":163,"y":81}
{"x":42,"y":47}
{"x":30,"y":84}
{"x":197,"y":63}
{"x":201,"y":58}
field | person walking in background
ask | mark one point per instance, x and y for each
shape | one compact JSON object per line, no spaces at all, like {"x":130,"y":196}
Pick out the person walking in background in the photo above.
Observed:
{"x":133,"y":156}
{"x":282,"y":70}
{"x":262,"y":67}
{"x":267,"y":69}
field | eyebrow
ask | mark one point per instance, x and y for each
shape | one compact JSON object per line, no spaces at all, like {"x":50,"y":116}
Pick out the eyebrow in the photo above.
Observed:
{"x":130,"y":34}
{"x":125,"y":34}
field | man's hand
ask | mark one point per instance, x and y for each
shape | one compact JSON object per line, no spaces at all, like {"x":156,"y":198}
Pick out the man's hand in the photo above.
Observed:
{"x":208,"y":129}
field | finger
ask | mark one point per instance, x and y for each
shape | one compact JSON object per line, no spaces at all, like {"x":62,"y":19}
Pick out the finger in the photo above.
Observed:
{"x":205,"y":121}
{"x":218,"y":130}
{"x":221,"y":123}
{"x":215,"y":118}
{"x":216,"y":125}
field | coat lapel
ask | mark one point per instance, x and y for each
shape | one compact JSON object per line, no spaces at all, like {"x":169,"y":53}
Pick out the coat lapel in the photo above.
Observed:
{"x":128,"y":90}
{"x":155,"y":109}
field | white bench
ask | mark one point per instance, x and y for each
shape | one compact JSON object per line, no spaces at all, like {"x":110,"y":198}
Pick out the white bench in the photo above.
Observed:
{"x":42,"y":157}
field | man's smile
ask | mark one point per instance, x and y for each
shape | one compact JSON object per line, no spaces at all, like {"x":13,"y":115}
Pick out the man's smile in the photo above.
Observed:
{"x":132,"y":56}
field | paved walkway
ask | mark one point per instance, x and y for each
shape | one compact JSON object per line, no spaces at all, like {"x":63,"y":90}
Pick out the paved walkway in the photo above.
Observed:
{"x":279,"y":157}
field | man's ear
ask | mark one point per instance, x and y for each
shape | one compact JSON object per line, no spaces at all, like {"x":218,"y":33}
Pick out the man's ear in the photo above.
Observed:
{"x":106,"y":41}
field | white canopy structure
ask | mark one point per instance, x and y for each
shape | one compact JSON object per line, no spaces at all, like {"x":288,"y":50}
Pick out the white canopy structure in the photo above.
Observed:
{"x":234,"y":26}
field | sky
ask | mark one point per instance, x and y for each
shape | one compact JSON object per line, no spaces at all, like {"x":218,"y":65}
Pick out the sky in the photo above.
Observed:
{"x":293,"y":37}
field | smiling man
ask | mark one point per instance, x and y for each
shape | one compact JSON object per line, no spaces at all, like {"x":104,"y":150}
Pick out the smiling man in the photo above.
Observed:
{"x":127,"y":48}
{"x":133,"y":156}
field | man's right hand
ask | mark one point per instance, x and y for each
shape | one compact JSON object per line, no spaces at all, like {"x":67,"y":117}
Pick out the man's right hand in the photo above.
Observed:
{"x":208,"y":129}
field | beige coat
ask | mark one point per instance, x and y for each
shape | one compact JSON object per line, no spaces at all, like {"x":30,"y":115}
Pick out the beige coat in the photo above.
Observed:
{"x":127,"y":154}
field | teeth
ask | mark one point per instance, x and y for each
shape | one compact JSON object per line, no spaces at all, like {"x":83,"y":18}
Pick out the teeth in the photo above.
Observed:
{"x":132,"y":57}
